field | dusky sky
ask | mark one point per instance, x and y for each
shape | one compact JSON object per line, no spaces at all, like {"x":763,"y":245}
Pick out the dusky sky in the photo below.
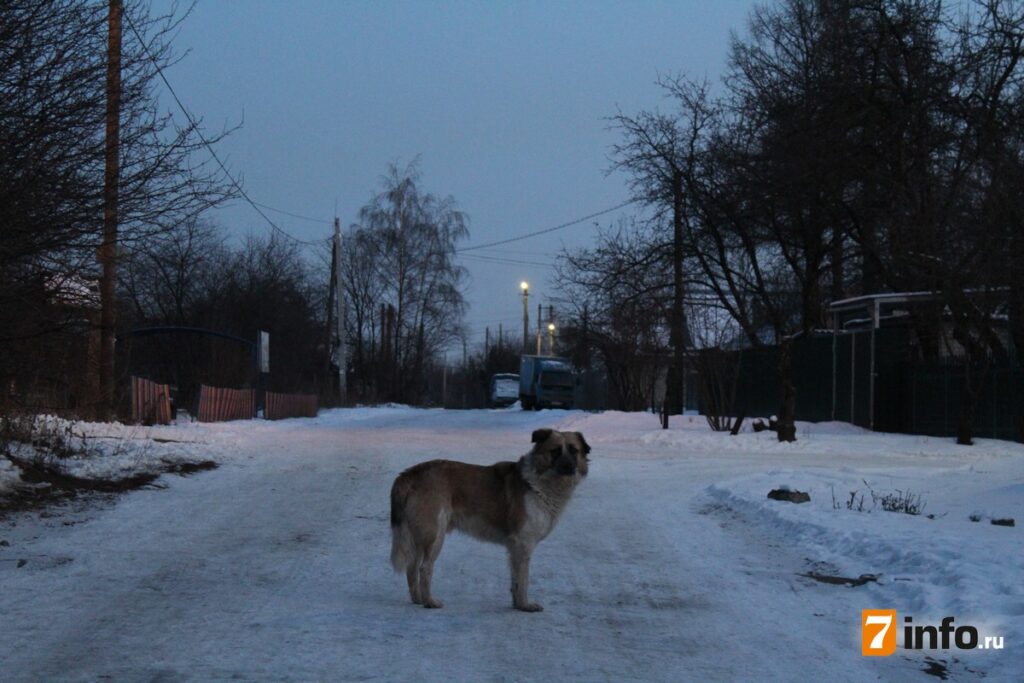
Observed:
{"x":504,"y":103}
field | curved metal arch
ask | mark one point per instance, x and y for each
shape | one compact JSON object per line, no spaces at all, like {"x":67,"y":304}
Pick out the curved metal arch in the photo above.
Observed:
{"x":149,"y":331}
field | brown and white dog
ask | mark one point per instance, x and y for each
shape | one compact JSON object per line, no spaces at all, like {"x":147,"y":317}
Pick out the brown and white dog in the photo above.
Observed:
{"x":515,"y":504}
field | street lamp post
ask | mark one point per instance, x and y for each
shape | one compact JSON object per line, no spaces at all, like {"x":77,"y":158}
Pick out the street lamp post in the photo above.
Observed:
{"x":540,"y":332}
{"x":526,"y":315}
{"x":551,"y":339}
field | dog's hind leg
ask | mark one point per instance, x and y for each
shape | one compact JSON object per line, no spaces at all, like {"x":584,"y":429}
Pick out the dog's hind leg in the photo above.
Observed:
{"x":406,"y":555}
{"x":412,"y":575}
{"x":430,"y":554}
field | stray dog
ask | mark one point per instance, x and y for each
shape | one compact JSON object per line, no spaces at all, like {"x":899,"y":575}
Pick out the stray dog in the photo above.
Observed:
{"x":515,"y":504}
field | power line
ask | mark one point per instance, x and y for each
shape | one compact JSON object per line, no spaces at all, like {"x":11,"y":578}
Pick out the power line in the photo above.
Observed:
{"x":516,"y":252}
{"x":508,"y":261}
{"x":207,"y":144}
{"x":547,"y":230}
{"x":295,"y":215}
{"x":256,"y":206}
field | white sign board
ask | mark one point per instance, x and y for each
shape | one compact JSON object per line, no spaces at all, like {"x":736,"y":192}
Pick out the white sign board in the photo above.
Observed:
{"x":264,"y":351}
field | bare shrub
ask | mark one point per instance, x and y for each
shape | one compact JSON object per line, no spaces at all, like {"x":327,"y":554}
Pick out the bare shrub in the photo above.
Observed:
{"x":900,"y":501}
{"x":719,"y":372}
{"x":896,"y":501}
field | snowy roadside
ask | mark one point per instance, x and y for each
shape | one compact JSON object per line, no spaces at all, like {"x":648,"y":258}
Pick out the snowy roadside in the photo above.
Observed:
{"x":107,"y":453}
{"x":949,"y":559}
{"x":956,"y":557}
{"x":113,"y":452}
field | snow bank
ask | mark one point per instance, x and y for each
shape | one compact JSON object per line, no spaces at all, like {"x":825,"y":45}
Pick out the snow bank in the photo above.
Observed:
{"x":113,"y":451}
{"x":8,"y":476}
{"x":932,"y":565}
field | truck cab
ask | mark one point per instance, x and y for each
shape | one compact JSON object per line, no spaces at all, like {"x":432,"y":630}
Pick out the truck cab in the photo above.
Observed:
{"x":546,"y":382}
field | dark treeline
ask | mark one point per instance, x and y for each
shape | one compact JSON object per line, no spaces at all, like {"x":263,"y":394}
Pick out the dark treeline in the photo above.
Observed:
{"x":401,"y":287}
{"x":53,"y":60}
{"x":190,"y":278}
{"x":852,"y":147}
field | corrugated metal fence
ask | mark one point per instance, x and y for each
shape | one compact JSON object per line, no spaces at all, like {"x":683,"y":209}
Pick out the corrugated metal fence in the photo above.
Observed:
{"x":151,"y":402}
{"x":217,"y":404}
{"x":279,"y":406}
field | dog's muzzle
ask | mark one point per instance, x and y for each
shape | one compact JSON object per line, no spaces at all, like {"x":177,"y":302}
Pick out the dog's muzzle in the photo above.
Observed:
{"x":565,"y":465}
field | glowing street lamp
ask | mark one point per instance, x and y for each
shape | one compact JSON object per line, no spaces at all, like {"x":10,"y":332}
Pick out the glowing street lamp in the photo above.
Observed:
{"x":525,"y":286}
{"x":551,"y":338}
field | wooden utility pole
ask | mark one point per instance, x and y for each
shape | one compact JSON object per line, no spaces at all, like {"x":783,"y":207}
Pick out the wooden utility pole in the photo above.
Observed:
{"x":339,"y":316}
{"x":107,"y":253}
{"x":526,"y":317}
{"x":444,"y":385}
{"x":382,"y":356}
{"x":678,"y":334}
{"x":329,"y":332}
{"x":539,"y":333}
{"x":584,"y":356}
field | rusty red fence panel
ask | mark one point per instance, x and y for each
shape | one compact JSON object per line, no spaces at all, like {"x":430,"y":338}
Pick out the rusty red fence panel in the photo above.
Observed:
{"x":151,"y":402}
{"x":217,"y":404}
{"x":278,"y":406}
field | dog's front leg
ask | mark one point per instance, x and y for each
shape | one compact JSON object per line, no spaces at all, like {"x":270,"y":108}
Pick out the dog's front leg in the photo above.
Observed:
{"x":519,"y":558}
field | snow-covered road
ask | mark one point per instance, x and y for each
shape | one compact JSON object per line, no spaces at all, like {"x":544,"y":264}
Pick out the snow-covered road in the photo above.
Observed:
{"x":274,"y":567}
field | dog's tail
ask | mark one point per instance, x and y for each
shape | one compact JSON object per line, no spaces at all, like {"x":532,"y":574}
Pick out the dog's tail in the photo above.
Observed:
{"x":402,"y":548}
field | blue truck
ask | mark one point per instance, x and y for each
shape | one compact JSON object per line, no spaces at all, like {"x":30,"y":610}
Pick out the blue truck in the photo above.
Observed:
{"x":546,"y":382}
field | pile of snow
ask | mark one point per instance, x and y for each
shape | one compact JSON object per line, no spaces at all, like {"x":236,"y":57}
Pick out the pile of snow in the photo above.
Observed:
{"x":932,"y":564}
{"x":949,"y":560}
{"x":110,"y":451}
{"x":9,"y":477}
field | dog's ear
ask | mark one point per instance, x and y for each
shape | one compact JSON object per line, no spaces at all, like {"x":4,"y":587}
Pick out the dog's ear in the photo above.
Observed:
{"x":583,"y":442}
{"x":540,"y":435}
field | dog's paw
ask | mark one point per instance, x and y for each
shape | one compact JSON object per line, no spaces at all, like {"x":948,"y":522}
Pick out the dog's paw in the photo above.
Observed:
{"x":433,"y":604}
{"x":529,"y":607}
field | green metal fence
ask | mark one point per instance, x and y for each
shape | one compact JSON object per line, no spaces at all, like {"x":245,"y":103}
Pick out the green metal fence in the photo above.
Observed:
{"x":936,"y":390}
{"x":833,"y":379}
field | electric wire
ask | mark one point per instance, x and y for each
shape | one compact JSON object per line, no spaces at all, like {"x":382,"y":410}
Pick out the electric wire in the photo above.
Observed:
{"x":295,"y":215}
{"x":258,"y":207}
{"x":209,"y":147}
{"x":547,"y":230}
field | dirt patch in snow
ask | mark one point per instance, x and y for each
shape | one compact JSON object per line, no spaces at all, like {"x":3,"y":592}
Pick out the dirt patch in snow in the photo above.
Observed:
{"x":43,"y":483}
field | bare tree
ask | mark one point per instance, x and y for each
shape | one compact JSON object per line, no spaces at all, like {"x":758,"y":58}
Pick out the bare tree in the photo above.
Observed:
{"x":405,"y":241}
{"x":165,"y":277}
{"x":887,"y":125}
{"x":618,"y":296}
{"x":657,"y":151}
